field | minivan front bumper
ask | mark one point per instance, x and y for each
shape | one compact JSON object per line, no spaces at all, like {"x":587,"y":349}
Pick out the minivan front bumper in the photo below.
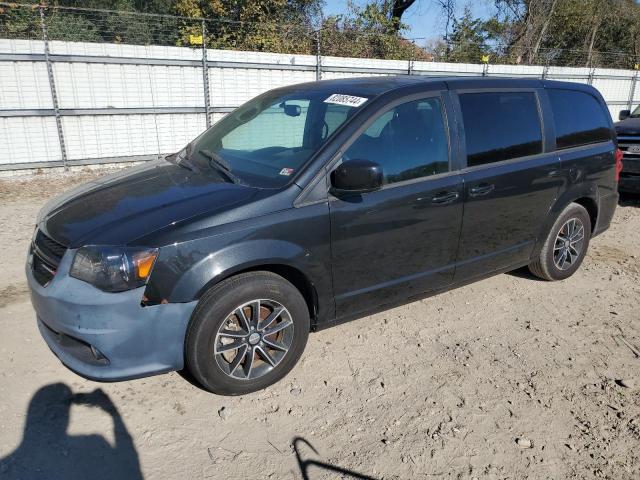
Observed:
{"x":107,"y":336}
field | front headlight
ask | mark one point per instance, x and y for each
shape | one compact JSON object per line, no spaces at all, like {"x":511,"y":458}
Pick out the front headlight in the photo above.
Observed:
{"x":113,"y":269}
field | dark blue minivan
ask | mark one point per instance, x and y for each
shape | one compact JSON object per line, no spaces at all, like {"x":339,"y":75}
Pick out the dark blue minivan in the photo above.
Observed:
{"x":314,"y":204}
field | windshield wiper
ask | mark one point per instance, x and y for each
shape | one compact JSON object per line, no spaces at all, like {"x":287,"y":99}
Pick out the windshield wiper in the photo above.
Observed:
{"x":217,"y":161}
{"x":185,"y":162}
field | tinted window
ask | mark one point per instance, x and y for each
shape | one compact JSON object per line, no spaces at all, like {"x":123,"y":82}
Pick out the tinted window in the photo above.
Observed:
{"x":409,"y":141}
{"x":579,"y":118}
{"x":500,"y":126}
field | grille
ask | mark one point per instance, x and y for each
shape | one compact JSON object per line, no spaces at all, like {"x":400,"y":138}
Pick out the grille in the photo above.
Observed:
{"x":47,"y":254}
{"x":626,"y":143}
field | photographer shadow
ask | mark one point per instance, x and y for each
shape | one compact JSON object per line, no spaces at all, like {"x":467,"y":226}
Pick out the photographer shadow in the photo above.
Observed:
{"x":47,"y":451}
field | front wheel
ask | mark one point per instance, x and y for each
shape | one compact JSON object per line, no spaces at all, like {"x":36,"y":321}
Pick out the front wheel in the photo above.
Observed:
{"x":566,"y":245}
{"x":246,"y":333}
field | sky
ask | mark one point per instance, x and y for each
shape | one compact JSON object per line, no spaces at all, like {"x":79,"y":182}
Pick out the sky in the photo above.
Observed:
{"x":423,"y":18}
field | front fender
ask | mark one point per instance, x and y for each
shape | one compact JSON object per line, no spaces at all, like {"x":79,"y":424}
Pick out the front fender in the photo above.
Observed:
{"x":296,"y":239}
{"x":234,"y":258}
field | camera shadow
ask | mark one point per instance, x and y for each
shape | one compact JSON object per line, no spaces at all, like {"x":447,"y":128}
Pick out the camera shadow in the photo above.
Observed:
{"x":307,"y":465}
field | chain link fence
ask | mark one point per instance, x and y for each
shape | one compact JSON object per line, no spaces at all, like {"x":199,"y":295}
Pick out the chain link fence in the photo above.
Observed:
{"x":82,"y":86}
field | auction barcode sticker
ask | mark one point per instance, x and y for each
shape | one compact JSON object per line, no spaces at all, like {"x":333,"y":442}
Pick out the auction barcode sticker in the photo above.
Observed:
{"x":348,"y":100}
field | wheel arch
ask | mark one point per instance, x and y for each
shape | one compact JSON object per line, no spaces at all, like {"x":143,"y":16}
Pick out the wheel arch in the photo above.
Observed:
{"x":307,"y":269}
{"x":292,"y":274}
{"x":586,"y":197}
{"x":591,"y":206}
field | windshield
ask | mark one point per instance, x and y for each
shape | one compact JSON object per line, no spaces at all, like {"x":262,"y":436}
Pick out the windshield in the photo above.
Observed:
{"x":265,"y":142}
{"x":636,"y":112}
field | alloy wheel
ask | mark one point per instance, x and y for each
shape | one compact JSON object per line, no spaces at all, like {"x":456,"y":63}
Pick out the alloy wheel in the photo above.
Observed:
{"x":253,"y":339}
{"x":569,"y":244}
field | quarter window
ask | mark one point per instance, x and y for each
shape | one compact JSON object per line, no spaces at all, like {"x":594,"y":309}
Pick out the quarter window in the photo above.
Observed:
{"x":500,"y":126}
{"x":408,"y":141}
{"x":579,"y":118}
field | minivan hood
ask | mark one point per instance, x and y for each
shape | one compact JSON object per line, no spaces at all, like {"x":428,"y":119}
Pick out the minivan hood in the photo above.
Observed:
{"x":628,"y":126}
{"x":119,"y":208}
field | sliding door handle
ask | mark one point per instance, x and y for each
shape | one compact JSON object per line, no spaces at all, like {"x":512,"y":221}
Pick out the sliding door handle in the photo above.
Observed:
{"x":445,"y":197}
{"x":482,"y":189}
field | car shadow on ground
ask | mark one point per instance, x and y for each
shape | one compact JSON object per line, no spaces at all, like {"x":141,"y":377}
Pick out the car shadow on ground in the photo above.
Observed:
{"x":47,"y":451}
{"x":523,"y":272}
{"x":629,"y":200}
{"x":306,"y":466}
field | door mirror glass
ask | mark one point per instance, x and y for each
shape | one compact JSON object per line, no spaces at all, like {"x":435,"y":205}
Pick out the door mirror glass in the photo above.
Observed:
{"x":624,"y":114}
{"x":356,"y":176}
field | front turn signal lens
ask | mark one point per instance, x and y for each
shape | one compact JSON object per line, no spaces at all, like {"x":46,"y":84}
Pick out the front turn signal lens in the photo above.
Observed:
{"x":143,"y":263}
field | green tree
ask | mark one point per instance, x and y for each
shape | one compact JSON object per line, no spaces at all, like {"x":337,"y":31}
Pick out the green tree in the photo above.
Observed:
{"x":287,"y":26}
{"x":468,"y":40}
{"x":571,"y":32}
{"x":265,"y":25}
{"x":94,"y":21}
{"x":585,"y":29}
{"x":369,"y":31}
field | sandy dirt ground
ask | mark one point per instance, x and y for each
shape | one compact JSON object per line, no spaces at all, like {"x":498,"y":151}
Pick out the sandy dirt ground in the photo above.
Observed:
{"x":509,"y":378}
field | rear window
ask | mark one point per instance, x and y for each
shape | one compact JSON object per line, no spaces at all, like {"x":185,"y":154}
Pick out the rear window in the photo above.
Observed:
{"x":500,"y":126}
{"x":579,"y":118}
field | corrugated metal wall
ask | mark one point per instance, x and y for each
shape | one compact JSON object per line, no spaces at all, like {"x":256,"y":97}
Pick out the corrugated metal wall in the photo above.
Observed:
{"x":120,"y":102}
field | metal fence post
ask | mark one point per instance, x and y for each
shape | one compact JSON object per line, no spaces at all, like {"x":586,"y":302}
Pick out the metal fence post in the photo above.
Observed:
{"x":632,"y":90}
{"x":52,"y":86}
{"x":592,"y":73}
{"x":545,"y":70}
{"x":318,"y":55}
{"x":205,"y":75}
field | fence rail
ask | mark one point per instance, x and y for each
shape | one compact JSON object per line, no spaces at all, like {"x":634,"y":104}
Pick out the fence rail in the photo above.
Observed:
{"x":68,"y":103}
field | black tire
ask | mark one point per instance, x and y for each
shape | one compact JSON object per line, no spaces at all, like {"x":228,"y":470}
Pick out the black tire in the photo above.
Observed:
{"x":544,"y":266}
{"x":214,"y":308}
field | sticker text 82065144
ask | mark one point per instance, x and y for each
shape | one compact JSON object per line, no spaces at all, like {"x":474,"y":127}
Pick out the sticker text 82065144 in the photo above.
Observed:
{"x":347,"y":100}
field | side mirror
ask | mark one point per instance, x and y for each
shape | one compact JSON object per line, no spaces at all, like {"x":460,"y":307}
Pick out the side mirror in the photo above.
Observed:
{"x":624,"y":114}
{"x":356,"y":176}
{"x":291,"y":110}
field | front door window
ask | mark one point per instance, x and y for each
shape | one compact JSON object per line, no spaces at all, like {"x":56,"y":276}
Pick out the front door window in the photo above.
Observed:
{"x":408,"y":141}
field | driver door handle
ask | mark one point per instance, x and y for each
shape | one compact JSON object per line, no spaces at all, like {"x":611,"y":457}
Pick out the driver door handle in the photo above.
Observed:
{"x":482,"y":189}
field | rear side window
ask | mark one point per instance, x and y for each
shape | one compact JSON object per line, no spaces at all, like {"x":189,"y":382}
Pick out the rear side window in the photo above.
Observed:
{"x":500,"y":126}
{"x":579,"y":118}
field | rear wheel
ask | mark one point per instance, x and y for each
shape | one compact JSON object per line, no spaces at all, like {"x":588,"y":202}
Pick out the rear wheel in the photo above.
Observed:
{"x":566,"y":245}
{"x":246,"y":333}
